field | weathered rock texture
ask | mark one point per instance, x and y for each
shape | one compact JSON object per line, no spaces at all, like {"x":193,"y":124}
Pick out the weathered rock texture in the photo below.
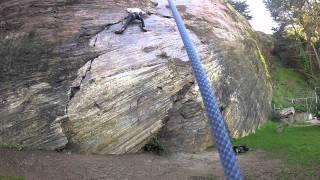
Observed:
{"x":66,"y":78}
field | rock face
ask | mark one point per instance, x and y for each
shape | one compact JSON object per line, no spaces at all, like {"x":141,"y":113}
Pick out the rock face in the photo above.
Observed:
{"x":286,"y":112}
{"x":67,"y":79}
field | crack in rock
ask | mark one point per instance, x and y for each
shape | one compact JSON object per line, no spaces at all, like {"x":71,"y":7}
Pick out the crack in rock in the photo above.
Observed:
{"x":76,"y":85}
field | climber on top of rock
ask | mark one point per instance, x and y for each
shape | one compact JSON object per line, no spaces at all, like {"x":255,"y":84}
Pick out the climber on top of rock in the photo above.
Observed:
{"x":134,"y":14}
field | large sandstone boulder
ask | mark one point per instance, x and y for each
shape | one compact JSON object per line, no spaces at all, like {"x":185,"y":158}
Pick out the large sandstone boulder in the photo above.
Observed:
{"x":67,"y":79}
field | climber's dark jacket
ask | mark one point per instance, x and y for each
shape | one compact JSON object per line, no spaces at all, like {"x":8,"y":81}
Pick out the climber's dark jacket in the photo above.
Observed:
{"x":129,"y":19}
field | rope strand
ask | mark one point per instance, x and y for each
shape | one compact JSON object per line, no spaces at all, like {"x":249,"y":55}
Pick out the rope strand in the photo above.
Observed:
{"x":218,"y":128}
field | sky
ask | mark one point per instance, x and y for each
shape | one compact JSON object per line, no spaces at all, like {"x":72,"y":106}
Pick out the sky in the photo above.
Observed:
{"x":262,"y":20}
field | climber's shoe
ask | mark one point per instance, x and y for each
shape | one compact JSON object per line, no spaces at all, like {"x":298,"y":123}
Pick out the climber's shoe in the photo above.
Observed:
{"x":118,"y":32}
{"x":143,"y":29}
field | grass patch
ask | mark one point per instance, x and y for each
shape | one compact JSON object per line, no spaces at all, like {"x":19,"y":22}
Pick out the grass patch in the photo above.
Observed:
{"x":11,"y":178}
{"x":288,"y":83}
{"x":299,"y":146}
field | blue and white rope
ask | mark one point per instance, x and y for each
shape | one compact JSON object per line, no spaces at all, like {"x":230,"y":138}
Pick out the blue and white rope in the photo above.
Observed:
{"x":219,"y":130}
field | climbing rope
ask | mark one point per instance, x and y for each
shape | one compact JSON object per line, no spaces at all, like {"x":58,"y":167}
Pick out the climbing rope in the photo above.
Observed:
{"x":218,"y":128}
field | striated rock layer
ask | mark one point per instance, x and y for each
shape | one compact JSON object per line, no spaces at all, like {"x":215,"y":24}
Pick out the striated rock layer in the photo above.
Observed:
{"x":66,"y":78}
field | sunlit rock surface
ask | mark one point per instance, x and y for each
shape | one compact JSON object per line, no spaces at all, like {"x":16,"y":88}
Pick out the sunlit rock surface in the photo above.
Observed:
{"x":67,"y":79}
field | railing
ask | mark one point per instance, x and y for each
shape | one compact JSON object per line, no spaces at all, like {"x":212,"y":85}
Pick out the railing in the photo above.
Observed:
{"x":309,"y":104}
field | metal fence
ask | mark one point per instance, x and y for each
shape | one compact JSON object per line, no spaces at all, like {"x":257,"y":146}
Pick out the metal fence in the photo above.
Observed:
{"x":306,"y":104}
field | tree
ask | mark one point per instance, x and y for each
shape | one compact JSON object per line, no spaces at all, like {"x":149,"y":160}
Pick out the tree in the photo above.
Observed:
{"x":242,"y":7}
{"x":284,"y":11}
{"x":299,"y":20}
{"x":309,"y":21}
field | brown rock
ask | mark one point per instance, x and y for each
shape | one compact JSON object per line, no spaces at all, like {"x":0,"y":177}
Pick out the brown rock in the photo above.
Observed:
{"x":67,"y":78}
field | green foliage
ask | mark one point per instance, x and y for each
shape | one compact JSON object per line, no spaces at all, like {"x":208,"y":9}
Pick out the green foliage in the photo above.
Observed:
{"x":284,"y":11}
{"x":242,"y":7}
{"x":299,"y":20}
{"x":211,"y":146}
{"x":306,"y":63}
{"x":288,"y":83}
{"x":11,"y":178}
{"x":299,"y":146}
{"x":157,"y":146}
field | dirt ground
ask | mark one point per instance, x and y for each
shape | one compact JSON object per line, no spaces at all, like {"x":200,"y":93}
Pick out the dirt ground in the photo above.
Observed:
{"x":35,"y":165}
